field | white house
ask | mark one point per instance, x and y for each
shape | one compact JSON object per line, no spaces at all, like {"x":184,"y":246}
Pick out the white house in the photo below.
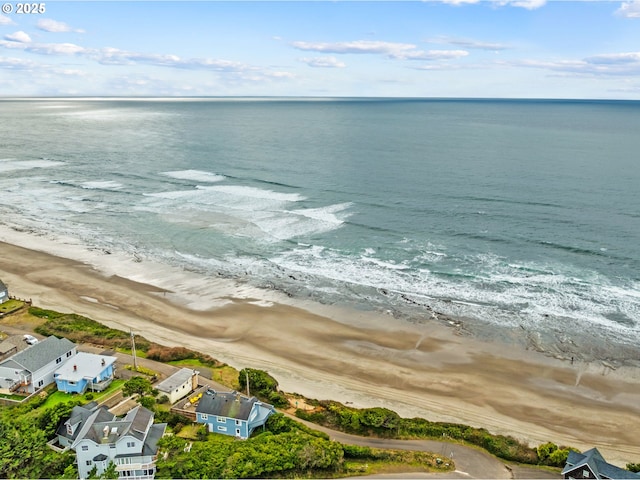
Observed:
{"x":33,"y":368}
{"x":131,"y":443}
{"x":4,"y":292}
{"x":179,"y":385}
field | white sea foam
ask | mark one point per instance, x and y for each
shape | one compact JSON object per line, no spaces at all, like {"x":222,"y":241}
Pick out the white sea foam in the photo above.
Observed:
{"x":195,"y":175}
{"x":244,"y":192}
{"x":102,"y":185}
{"x":11,"y":165}
{"x":326,"y":214}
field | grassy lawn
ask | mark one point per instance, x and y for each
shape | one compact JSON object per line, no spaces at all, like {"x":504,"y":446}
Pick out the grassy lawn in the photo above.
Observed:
{"x":139,"y":353}
{"x":19,"y":398}
{"x":226,"y":375}
{"x":189,"y":432}
{"x":62,"y":397}
{"x":188,"y":362}
{"x":10,"y":306}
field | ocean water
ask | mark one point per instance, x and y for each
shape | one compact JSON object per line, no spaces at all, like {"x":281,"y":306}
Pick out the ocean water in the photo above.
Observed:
{"x":511,"y":215}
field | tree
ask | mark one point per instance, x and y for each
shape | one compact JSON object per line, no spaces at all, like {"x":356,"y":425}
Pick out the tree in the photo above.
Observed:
{"x":633,"y":467}
{"x":137,"y":384}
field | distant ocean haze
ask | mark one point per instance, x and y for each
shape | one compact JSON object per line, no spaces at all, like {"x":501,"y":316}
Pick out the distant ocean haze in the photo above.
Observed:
{"x":503,"y":213}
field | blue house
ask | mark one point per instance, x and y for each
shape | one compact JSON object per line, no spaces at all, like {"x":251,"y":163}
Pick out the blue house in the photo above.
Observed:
{"x":85,"y":371}
{"x":231,"y":413}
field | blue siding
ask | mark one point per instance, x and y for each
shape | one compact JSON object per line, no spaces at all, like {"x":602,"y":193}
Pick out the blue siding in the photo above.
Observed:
{"x":82,"y":385}
{"x":224,"y":425}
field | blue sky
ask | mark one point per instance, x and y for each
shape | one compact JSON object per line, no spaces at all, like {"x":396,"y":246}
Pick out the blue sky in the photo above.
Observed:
{"x":447,"y":48}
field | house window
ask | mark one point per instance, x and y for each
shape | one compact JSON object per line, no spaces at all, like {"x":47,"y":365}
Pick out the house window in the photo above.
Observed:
{"x":88,"y":462}
{"x":237,"y":432}
{"x":221,"y":420}
{"x":58,"y":360}
{"x":131,"y":444}
{"x":68,"y":354}
{"x":72,"y":383}
{"x":222,"y":429}
{"x":204,"y":416}
{"x":237,"y":423}
{"x":85,"y":448}
{"x":585,"y":473}
{"x":40,"y":383}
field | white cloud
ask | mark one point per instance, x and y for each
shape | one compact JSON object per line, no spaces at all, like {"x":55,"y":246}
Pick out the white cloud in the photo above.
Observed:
{"x":472,"y":44}
{"x":323,"y":62}
{"x":54,"y":26}
{"x":17,"y":64}
{"x":629,"y":9}
{"x":606,"y":65}
{"x":615,"y":58}
{"x":20,"y":37}
{"x":6,"y":20}
{"x":402,"y":51}
{"x":528,"y":4}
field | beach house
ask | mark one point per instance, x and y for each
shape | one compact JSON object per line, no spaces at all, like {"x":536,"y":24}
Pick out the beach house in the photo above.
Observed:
{"x":179,"y":385}
{"x":231,"y":413}
{"x":4,"y":292}
{"x":33,"y":368}
{"x":591,"y":465}
{"x":86,"y":371}
{"x":131,"y":443}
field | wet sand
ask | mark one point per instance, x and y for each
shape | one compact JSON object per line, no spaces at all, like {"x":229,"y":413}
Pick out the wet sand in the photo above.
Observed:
{"x":426,"y":370}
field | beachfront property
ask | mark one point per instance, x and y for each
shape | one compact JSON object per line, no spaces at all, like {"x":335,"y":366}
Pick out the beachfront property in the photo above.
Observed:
{"x":131,"y":443}
{"x":231,"y":413}
{"x":69,"y":428}
{"x":179,"y":385}
{"x":33,"y":368}
{"x":592,"y":465}
{"x":4,"y":292}
{"x":86,"y":371}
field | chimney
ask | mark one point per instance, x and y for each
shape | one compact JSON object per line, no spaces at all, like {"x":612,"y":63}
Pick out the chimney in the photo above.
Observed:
{"x":194,"y":380}
{"x":75,"y":368}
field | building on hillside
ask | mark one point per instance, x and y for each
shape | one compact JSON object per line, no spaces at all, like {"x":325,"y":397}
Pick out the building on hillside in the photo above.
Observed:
{"x":591,"y":465}
{"x":231,"y":413}
{"x":131,"y":443}
{"x":179,"y":385}
{"x":33,"y":368}
{"x":85,"y":371}
{"x":69,"y":428}
{"x":4,"y":292}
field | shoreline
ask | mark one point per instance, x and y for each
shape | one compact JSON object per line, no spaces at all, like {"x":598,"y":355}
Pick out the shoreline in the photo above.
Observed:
{"x":328,"y":352}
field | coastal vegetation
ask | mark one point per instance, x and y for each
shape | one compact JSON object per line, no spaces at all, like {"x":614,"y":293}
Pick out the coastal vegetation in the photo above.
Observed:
{"x":285,"y":449}
{"x":379,"y":422}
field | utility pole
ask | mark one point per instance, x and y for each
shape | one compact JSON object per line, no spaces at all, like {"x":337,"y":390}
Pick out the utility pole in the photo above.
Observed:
{"x":133,"y":351}
{"x":247,"y":377}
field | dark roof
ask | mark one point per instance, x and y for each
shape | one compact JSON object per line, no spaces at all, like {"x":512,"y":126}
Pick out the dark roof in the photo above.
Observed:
{"x":37,"y":356}
{"x":101,"y":457}
{"x":141,"y":419}
{"x":230,"y":405}
{"x":2,"y":286}
{"x":156,"y":431}
{"x":596,"y":462}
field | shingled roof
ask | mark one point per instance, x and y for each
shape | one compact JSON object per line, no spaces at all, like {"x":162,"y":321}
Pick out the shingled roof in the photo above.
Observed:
{"x":37,"y":356}
{"x":230,"y":405}
{"x":594,"y":460}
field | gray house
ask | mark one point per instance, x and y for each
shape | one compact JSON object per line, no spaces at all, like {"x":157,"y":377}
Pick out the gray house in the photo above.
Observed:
{"x":33,"y":368}
{"x":591,"y":465}
{"x":4,"y":292}
{"x":131,"y":442}
{"x":231,"y":413}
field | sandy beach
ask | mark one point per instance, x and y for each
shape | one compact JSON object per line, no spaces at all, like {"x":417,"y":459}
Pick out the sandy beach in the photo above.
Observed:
{"x":426,"y":370}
